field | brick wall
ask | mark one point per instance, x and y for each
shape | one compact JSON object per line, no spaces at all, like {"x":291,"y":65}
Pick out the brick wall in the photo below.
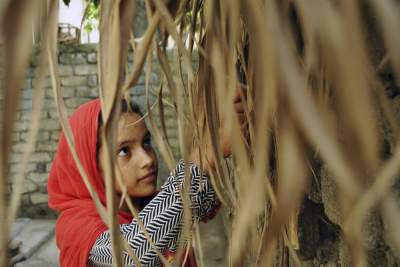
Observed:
{"x":78,"y":73}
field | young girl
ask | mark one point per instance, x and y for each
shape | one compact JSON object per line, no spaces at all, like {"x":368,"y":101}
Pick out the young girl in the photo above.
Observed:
{"x":81,"y":235}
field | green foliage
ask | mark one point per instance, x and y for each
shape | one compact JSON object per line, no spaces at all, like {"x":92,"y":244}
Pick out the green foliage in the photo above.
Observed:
{"x":91,"y":16}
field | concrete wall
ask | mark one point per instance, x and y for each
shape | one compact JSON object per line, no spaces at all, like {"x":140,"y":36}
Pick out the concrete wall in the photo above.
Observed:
{"x":78,"y":73}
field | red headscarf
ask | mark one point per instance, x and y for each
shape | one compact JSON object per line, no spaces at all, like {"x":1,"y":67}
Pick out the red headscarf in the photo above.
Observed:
{"x":79,"y":223}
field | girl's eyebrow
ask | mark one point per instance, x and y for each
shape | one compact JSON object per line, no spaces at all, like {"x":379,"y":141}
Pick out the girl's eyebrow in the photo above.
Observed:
{"x":126,"y":141}
{"x":133,"y":140}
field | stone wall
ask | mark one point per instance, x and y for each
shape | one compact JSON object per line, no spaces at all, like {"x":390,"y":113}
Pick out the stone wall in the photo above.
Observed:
{"x":79,"y":82}
{"x":320,"y":221}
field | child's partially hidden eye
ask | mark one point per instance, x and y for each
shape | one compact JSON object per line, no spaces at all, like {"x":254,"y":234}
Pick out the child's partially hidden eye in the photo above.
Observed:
{"x":123,"y":151}
{"x":147,"y":141}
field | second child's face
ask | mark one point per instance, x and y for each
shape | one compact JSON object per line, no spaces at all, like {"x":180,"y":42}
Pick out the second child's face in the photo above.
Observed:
{"x":136,"y":157}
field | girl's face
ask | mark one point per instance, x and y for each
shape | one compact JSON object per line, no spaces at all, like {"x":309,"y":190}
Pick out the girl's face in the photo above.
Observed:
{"x":136,"y":157}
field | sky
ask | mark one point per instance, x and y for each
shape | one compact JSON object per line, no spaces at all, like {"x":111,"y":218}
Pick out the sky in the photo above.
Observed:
{"x":72,"y":14}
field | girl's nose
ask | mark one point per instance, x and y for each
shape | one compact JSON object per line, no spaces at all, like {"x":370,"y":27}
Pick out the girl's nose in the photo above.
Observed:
{"x":146,"y":158}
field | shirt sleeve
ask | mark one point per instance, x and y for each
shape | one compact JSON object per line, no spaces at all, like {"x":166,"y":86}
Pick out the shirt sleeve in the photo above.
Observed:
{"x":162,"y":218}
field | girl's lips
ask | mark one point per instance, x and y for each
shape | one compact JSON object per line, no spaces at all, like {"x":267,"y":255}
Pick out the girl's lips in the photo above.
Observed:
{"x":151,"y":177}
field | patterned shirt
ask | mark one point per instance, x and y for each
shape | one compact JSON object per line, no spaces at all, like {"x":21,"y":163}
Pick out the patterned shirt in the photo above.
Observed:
{"x":162,"y":218}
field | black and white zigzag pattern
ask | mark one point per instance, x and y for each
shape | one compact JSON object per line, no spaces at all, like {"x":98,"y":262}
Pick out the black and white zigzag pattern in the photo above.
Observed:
{"x":162,"y":218}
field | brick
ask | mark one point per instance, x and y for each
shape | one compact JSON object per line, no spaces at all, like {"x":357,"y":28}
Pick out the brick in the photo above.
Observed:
{"x":25,"y":200}
{"x":66,"y":58}
{"x":15,"y":158}
{"x":40,"y":157}
{"x":73,"y":81}
{"x":15,"y":167}
{"x":75,"y":102}
{"x":92,"y":57}
{"x":37,"y":177}
{"x":92,"y":80}
{"x":80,"y":58}
{"x":21,"y":125}
{"x":43,"y":189}
{"x":67,"y":91}
{"x":50,"y":125}
{"x":45,"y":114}
{"x":53,"y":114}
{"x":26,"y":93}
{"x":85,"y":69}
{"x":65,"y":70}
{"x":39,"y":198}
{"x":41,"y":136}
{"x":46,"y":147}
{"x":19,"y":147}
{"x":55,"y":135}
{"x":70,"y":111}
{"x":72,"y":58}
{"x":49,"y":93}
{"x":26,"y":104}
{"x":26,"y":115}
{"x":85,"y":91}
{"x":41,"y":167}
{"x":49,"y":104}
{"x":29,"y":187}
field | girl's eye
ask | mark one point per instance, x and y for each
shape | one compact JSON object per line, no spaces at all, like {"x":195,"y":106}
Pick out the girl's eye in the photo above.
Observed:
{"x":147,"y":141}
{"x":123,"y":152}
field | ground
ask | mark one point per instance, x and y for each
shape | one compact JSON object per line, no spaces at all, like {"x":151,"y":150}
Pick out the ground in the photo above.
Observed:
{"x":38,"y":247}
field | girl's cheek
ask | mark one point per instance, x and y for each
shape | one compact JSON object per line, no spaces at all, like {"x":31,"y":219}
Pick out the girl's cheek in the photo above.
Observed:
{"x":126,"y":169}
